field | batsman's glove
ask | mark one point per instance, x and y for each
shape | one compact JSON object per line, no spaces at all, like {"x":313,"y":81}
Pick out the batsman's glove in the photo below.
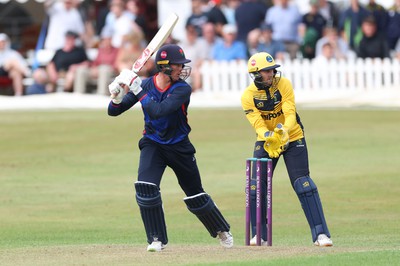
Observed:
{"x":116,"y":91}
{"x":131,"y":79}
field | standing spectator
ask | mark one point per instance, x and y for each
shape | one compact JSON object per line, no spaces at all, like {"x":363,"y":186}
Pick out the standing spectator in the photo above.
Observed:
{"x":373,"y":43}
{"x":230,"y":48}
{"x":165,"y":143}
{"x":194,"y":49}
{"x":350,"y":23}
{"x":229,"y":9}
{"x":380,"y":14}
{"x":63,"y":16}
{"x":198,"y":17}
{"x":393,"y":30}
{"x":330,"y":12}
{"x":339,"y":46}
{"x":102,"y":69}
{"x":210,"y":37}
{"x":65,"y":62}
{"x":285,"y":19}
{"x":249,"y":15}
{"x":215,"y":14}
{"x":310,"y":29}
{"x":12,"y":65}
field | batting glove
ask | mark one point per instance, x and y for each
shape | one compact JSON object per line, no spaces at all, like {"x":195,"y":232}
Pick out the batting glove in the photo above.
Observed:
{"x":116,"y":91}
{"x":131,"y":79}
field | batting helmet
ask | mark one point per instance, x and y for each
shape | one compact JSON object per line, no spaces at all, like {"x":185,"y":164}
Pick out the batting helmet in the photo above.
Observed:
{"x":171,"y":54}
{"x":261,"y":61}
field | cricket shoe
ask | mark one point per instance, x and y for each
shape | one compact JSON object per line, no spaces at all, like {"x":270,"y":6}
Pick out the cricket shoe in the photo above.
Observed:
{"x":253,"y":241}
{"x":225,"y":239}
{"x":323,"y":241}
{"x":156,"y":246}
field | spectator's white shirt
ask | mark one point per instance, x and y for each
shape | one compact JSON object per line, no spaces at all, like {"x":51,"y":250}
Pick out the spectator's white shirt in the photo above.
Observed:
{"x":61,"y":21}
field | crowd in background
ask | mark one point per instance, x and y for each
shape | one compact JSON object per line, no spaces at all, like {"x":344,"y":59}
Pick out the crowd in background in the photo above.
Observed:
{"x":221,"y":30}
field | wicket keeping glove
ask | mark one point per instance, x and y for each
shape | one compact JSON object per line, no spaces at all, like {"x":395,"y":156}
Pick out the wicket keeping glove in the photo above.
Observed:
{"x":116,"y":91}
{"x":272,"y":144}
{"x":130,"y":79}
{"x":283,"y":136}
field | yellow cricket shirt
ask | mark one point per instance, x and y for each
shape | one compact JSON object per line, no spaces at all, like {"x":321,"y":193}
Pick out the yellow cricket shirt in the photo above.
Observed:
{"x":264,"y":113}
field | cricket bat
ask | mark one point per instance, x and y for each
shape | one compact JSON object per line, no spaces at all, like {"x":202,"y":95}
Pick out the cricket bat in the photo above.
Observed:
{"x":155,"y":44}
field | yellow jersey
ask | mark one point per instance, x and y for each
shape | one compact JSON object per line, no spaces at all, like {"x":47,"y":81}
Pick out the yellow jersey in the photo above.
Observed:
{"x":265,"y":110}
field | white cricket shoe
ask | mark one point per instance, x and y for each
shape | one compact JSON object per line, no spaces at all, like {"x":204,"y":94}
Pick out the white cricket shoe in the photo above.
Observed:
{"x":225,"y":239}
{"x":323,"y":241}
{"x":253,"y":241}
{"x":156,"y":246}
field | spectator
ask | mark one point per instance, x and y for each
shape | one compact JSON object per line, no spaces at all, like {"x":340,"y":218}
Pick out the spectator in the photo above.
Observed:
{"x":393,"y":30}
{"x":12,"y":65}
{"x":311,"y":29}
{"x":339,"y":46}
{"x":194,"y":49}
{"x":380,"y":14}
{"x":373,"y":43}
{"x":102,"y":69}
{"x":246,"y":22}
{"x":63,"y":16}
{"x":210,"y":37}
{"x":130,"y":50}
{"x":397,"y":50}
{"x":326,"y":55}
{"x":40,"y":80}
{"x":330,"y":12}
{"x":215,"y":14}
{"x":230,"y":48}
{"x":253,"y":39}
{"x":229,"y":9}
{"x":119,"y":22}
{"x":133,"y":9}
{"x":350,"y":24}
{"x":269,"y":45}
{"x":285,"y":19}
{"x":65,"y":62}
{"x":198,"y":17}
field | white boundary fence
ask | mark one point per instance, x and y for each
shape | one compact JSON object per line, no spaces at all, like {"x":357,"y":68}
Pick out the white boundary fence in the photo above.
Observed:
{"x":313,"y":81}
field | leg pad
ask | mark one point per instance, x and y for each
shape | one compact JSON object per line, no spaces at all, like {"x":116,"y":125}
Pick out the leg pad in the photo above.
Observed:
{"x":205,"y":209}
{"x":310,"y":202}
{"x":148,"y":198}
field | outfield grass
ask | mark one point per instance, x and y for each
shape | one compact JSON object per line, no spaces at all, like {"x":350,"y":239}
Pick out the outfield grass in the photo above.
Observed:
{"x":67,"y":196}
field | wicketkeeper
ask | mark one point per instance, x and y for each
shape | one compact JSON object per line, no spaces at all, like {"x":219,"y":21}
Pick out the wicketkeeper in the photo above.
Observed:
{"x":269,"y":106}
{"x":165,"y":99}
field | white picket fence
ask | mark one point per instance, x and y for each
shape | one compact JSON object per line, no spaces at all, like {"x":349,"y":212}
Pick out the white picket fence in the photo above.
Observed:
{"x":355,"y":82}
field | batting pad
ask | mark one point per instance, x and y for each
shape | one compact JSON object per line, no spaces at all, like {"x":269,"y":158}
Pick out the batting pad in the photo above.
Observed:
{"x":205,"y":209}
{"x":148,"y":198}
{"x":310,"y":202}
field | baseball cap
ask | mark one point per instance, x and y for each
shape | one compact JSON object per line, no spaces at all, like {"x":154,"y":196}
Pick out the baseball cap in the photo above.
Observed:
{"x":3,"y":37}
{"x":229,"y":28}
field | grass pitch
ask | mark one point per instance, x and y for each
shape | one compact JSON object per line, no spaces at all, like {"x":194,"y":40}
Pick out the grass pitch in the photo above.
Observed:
{"x":67,"y":196}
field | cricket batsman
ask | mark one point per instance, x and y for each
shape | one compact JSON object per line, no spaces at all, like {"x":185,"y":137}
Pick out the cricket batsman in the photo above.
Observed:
{"x":165,"y":100}
{"x":269,"y":106}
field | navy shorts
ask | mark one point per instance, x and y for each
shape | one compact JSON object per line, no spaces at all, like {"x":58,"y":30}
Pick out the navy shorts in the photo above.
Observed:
{"x":155,"y":157}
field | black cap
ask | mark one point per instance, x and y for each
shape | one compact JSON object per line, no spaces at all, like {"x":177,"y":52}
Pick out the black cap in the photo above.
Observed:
{"x":72,"y":34}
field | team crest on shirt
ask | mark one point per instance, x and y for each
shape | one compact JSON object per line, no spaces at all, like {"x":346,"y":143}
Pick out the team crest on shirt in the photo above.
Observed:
{"x":300,"y":143}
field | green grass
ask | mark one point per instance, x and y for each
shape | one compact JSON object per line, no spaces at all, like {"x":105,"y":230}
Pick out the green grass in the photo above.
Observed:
{"x":67,"y":196}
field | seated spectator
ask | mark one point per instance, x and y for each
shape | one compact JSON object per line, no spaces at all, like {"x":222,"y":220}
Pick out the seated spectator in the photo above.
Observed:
{"x":330,"y":12}
{"x":102,"y":69}
{"x":211,"y":38}
{"x":340,"y":47}
{"x":65,"y":62}
{"x":373,"y":43}
{"x":12,"y":65}
{"x":310,"y":29}
{"x":229,"y":48}
{"x":326,"y":55}
{"x":39,"y":82}
{"x":380,"y":14}
{"x":267,"y":44}
{"x":393,"y":30}
{"x":284,"y":17}
{"x":129,"y":51}
{"x":198,"y":16}
{"x":194,"y":49}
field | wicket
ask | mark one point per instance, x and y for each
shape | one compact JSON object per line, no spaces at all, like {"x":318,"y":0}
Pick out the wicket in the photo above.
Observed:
{"x":257,"y":162}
